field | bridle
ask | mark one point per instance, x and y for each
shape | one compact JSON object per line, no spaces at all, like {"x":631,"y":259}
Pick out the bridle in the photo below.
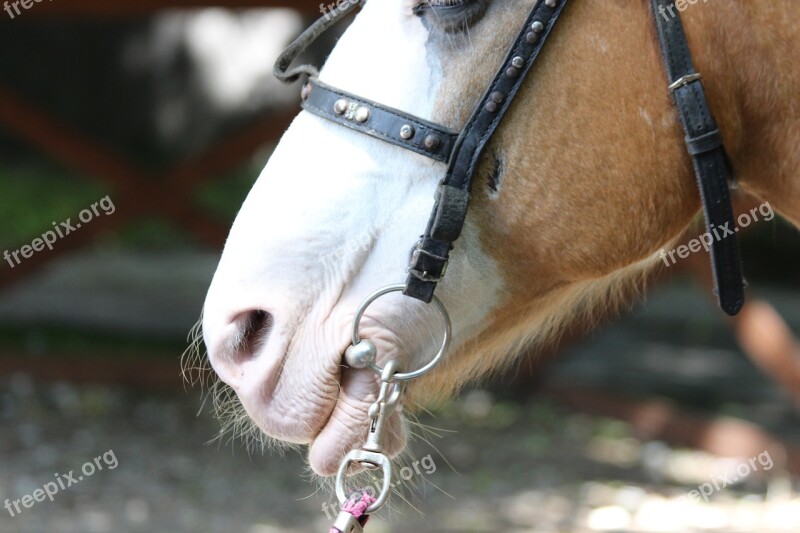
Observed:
{"x":462,"y":151}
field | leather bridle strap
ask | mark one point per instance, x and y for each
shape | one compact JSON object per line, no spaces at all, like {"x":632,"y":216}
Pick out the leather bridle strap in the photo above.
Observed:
{"x":704,"y":142}
{"x":379,"y":121}
{"x":430,"y":257}
{"x":283,"y":65}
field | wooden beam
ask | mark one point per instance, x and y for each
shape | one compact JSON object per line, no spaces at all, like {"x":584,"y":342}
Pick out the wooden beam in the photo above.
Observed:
{"x":63,"y":142}
{"x":135,"y":193}
{"x":128,"y":8}
{"x":162,"y":373}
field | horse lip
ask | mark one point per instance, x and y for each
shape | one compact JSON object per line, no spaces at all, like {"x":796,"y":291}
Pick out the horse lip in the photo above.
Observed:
{"x":376,"y":327}
{"x":347,"y":425}
{"x":357,"y":391}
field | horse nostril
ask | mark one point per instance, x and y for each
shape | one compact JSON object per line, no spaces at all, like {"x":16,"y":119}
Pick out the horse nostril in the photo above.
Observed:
{"x":255,"y":327}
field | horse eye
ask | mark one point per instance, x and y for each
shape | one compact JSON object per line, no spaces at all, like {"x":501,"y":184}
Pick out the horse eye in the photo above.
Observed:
{"x":450,"y":16}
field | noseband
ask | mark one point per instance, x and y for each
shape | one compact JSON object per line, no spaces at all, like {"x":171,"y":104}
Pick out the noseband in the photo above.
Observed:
{"x":462,"y":152}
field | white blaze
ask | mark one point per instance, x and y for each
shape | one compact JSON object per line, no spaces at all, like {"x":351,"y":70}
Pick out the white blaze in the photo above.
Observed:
{"x":332,"y":218}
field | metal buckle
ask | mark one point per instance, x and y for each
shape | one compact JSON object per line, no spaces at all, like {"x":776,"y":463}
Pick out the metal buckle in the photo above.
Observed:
{"x":423,"y":275}
{"x":685,"y":80}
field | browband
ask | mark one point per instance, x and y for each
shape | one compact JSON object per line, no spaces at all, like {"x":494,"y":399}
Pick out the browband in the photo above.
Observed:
{"x":704,"y":143}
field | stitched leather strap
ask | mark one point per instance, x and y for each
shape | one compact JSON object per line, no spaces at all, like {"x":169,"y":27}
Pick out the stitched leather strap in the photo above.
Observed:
{"x":379,"y":121}
{"x":704,"y":143}
{"x":282,"y":68}
{"x":429,"y":258}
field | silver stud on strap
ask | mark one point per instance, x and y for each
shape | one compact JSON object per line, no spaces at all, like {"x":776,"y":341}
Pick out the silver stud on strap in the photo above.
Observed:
{"x":432,"y":142}
{"x":362,"y":114}
{"x":550,"y":3}
{"x":340,"y":107}
{"x":407,"y":132}
{"x":537,"y":26}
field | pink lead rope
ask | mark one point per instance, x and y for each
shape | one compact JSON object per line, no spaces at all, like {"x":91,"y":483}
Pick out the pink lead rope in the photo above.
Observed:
{"x":356,"y":505}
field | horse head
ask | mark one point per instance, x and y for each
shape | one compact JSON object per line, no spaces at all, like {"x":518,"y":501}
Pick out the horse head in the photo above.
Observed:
{"x":582,"y":186}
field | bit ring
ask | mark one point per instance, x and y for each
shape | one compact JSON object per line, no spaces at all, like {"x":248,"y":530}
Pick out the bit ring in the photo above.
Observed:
{"x":448,"y":333}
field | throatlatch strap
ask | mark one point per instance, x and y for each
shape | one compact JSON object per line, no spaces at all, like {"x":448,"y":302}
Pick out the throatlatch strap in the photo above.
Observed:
{"x":430,"y":257}
{"x":704,"y":143}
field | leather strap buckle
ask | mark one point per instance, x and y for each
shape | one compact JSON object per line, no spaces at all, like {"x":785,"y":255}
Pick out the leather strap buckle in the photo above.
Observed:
{"x":684,"y":80}
{"x":424,"y":275}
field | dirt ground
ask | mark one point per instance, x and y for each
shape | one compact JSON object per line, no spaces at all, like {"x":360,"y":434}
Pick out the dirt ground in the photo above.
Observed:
{"x":513,"y":460}
{"x":489,"y":465}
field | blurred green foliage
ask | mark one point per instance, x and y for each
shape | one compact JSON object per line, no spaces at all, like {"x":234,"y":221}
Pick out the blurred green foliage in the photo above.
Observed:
{"x":32,"y":197}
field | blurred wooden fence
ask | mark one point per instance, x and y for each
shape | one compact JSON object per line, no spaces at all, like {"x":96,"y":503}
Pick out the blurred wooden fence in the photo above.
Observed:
{"x":136,"y":193}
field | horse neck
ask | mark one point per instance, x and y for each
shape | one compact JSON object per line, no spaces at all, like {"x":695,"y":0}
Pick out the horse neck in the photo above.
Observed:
{"x":745,"y":55}
{"x":748,"y":54}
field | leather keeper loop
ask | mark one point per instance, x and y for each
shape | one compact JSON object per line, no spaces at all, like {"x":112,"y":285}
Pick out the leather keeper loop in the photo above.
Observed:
{"x":704,"y":143}
{"x":450,"y":214}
